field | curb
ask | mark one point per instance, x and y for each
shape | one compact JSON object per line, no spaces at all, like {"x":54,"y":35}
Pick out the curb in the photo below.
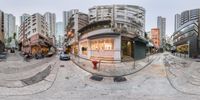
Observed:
{"x":115,"y":75}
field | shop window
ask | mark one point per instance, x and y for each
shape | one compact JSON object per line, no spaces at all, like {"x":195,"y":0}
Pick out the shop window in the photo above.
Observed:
{"x":84,"y":50}
{"x":102,"y":44}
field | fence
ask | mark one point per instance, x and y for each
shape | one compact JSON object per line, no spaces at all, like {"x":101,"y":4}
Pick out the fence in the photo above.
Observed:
{"x":111,"y":68}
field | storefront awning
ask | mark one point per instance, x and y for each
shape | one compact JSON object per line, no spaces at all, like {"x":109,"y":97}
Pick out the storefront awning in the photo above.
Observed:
{"x":140,"y":39}
{"x":103,"y":35}
{"x":150,"y":44}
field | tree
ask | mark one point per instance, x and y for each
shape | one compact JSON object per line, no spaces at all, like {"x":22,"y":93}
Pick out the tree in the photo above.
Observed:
{"x":14,"y":36}
{"x":9,"y":39}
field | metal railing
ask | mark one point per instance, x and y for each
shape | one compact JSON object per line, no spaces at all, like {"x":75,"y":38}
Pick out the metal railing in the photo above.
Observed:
{"x":111,"y":68}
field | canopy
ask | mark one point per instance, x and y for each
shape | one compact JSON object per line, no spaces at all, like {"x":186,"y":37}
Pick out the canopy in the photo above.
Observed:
{"x":150,"y":44}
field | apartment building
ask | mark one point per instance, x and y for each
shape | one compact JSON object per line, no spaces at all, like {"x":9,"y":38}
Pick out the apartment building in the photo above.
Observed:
{"x":33,"y":35}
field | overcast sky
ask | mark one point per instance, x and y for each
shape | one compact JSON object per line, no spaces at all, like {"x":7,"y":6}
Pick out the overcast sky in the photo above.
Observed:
{"x":154,"y":8}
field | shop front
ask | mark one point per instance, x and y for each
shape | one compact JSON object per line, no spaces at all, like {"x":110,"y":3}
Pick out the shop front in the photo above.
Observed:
{"x":140,"y":48}
{"x":127,"y":48}
{"x":107,"y":48}
{"x":39,"y":49}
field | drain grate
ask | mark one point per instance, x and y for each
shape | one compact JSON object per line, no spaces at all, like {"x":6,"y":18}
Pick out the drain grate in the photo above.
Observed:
{"x":96,"y":78}
{"x":67,"y":78}
{"x":119,"y":79}
{"x":62,"y":65}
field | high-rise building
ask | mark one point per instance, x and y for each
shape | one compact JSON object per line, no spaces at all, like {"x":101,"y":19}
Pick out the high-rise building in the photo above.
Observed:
{"x":33,"y":35}
{"x":114,"y":32}
{"x":161,"y":25}
{"x":59,"y":34}
{"x":189,"y":15}
{"x":177,"y":21}
{"x":155,"y":37}
{"x":67,"y":15}
{"x":75,"y":23}
{"x":2,"y":45}
{"x":121,"y":16}
{"x":187,"y":35}
{"x":185,"y":17}
{"x":23,"y":18}
{"x":50,"y":18}
{"x":9,"y":25}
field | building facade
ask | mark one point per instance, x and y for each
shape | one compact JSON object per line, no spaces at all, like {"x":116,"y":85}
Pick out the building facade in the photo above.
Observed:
{"x":76,"y":22}
{"x":161,"y":25}
{"x":155,"y":37}
{"x":177,"y":23}
{"x":33,"y":35}
{"x":9,"y":25}
{"x":59,"y":34}
{"x":24,"y":17}
{"x":50,"y":18}
{"x":113,"y":33}
{"x":2,"y":40}
{"x":186,"y":38}
{"x":67,"y":15}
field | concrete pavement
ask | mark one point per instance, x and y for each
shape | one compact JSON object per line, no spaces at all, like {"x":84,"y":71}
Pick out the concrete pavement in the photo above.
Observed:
{"x":112,"y":68}
{"x":18,"y":77}
{"x":73,"y":83}
{"x":183,"y":74}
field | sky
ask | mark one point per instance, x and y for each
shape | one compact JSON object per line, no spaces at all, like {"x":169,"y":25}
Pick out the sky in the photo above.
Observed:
{"x":154,"y":8}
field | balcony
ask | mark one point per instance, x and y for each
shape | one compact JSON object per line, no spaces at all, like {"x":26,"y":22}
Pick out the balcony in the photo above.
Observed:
{"x":95,"y":25}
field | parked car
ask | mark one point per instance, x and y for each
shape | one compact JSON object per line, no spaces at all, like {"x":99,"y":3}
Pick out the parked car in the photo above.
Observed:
{"x":2,"y":56}
{"x":64,"y":56}
{"x":39,"y":56}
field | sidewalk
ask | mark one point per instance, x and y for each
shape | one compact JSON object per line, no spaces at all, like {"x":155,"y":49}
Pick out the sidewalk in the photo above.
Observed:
{"x":18,"y":77}
{"x":186,"y":57}
{"x":110,"y":69}
{"x":28,"y":83}
{"x":183,"y":74}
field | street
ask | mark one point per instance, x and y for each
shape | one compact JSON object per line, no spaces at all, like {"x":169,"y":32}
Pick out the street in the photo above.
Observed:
{"x":73,"y":83}
{"x":94,"y":50}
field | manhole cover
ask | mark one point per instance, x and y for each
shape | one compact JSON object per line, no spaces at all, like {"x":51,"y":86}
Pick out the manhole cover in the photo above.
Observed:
{"x":62,"y":65}
{"x":96,"y":78}
{"x":119,"y":79}
{"x":66,"y":77}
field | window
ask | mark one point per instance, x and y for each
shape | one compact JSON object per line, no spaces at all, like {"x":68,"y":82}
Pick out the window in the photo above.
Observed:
{"x":34,"y":24}
{"x":42,"y":31}
{"x":28,"y":33}
{"x":102,"y":44}
{"x":34,"y":30}
{"x":120,"y":16}
{"x":34,"y":20}
{"x":42,"y":26}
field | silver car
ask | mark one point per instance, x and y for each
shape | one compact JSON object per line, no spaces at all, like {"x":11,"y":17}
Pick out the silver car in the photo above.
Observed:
{"x":64,"y":56}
